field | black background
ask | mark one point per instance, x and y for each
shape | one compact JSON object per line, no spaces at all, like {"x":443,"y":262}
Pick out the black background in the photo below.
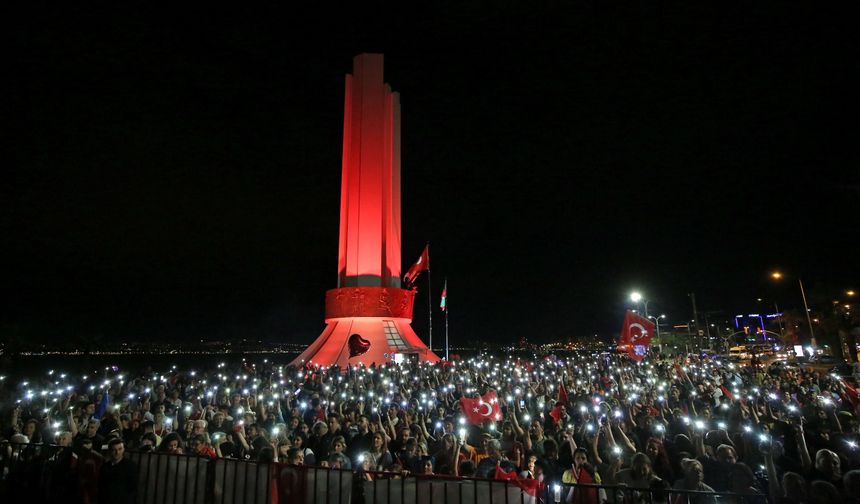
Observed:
{"x":175,"y":175}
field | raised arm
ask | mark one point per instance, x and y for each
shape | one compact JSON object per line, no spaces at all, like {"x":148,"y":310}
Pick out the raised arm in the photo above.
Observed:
{"x":73,"y":425}
{"x":625,"y":439}
{"x":241,"y":435}
{"x":570,"y":442}
{"x":423,"y":426}
{"x":802,"y":449}
{"x":773,"y":483}
{"x":595,"y":455}
{"x":699,"y":444}
{"x":515,"y":422}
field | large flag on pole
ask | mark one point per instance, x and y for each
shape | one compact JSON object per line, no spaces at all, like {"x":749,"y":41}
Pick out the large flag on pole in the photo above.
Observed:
{"x":635,"y":335}
{"x":444,"y":303}
{"x":422,"y":264}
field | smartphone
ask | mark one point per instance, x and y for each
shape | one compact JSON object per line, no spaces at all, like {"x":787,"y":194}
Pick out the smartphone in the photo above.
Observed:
{"x":522,"y":403}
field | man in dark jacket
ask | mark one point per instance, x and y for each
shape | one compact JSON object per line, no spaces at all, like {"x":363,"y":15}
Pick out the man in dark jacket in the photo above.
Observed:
{"x":118,"y":476}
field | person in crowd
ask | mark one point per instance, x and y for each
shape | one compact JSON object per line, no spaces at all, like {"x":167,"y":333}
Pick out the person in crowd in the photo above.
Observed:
{"x":148,"y":442}
{"x":427,"y":466}
{"x":656,"y":452}
{"x":582,"y":473}
{"x":299,"y":442}
{"x":89,"y":468}
{"x":92,"y":434}
{"x":828,"y":467}
{"x":670,"y":408}
{"x":117,"y":477}
{"x":172,"y":443}
{"x":851,"y":486}
{"x":361,"y":439}
{"x":694,"y":480}
{"x":199,"y":446}
{"x":529,"y":471}
{"x":378,"y":455}
{"x":745,"y":484}
{"x":639,"y":477}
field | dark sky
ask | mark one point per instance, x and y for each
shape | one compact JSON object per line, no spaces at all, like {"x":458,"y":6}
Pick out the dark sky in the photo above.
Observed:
{"x":176,"y":174}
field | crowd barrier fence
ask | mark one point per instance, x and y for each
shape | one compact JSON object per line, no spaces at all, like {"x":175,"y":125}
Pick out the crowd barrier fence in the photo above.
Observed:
{"x":47,"y":473}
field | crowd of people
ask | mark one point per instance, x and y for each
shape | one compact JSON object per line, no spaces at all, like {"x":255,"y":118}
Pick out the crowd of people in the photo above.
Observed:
{"x":692,"y":423}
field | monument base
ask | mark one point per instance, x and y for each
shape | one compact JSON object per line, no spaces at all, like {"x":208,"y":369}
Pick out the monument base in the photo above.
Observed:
{"x":379,"y":316}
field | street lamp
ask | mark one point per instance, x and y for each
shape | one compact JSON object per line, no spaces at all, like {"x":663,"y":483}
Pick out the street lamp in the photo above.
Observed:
{"x":778,"y":319}
{"x":657,"y":325}
{"x":637,"y":297}
{"x":776,"y":275}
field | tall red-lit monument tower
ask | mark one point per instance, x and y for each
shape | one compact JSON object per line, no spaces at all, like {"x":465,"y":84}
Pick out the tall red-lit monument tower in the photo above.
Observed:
{"x":368,"y":315}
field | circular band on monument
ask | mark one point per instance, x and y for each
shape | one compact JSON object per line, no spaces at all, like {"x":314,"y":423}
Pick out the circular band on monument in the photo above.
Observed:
{"x":369,"y":302}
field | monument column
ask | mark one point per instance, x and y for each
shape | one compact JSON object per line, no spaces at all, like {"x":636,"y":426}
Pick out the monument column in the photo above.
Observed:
{"x":370,"y":191}
{"x":368,"y":315}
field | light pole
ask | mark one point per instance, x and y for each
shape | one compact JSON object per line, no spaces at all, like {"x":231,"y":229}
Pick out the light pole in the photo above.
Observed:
{"x":657,"y":325}
{"x":778,"y":320}
{"x":636,"y":297}
{"x":776,"y":275}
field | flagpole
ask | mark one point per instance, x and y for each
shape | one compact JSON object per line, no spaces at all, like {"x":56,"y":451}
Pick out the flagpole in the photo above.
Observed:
{"x":446,"y":322}
{"x":430,"y":307}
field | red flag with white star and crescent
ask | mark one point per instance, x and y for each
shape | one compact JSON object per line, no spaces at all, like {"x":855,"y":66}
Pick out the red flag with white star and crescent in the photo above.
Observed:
{"x":482,"y":409}
{"x":635,"y":335}
{"x":422,"y":264}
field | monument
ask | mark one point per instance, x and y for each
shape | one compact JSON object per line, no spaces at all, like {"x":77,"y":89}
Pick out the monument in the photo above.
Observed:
{"x":368,"y":316}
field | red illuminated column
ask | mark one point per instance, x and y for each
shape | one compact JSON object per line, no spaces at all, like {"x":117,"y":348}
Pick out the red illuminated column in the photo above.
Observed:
{"x":369,"y":253}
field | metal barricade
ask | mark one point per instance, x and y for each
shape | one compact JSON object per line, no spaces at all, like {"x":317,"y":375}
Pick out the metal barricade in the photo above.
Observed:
{"x":623,"y":494}
{"x":393,"y":488}
{"x":47,"y":473}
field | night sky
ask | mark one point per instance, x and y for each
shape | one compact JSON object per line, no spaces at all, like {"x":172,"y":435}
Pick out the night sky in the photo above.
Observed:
{"x":175,"y":175}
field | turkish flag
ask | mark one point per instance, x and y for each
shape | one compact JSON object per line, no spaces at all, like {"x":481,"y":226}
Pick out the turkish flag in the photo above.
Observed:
{"x":529,"y":486}
{"x":422,"y":264}
{"x":481,"y":409}
{"x":556,"y":413}
{"x":635,"y":335}
{"x":853,"y":396}
{"x":585,"y":495}
{"x":562,"y":394}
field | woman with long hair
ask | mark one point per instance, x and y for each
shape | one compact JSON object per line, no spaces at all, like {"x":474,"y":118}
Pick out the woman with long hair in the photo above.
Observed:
{"x":299,"y":442}
{"x":656,"y":452}
{"x":172,"y":443}
{"x":378,"y":456}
